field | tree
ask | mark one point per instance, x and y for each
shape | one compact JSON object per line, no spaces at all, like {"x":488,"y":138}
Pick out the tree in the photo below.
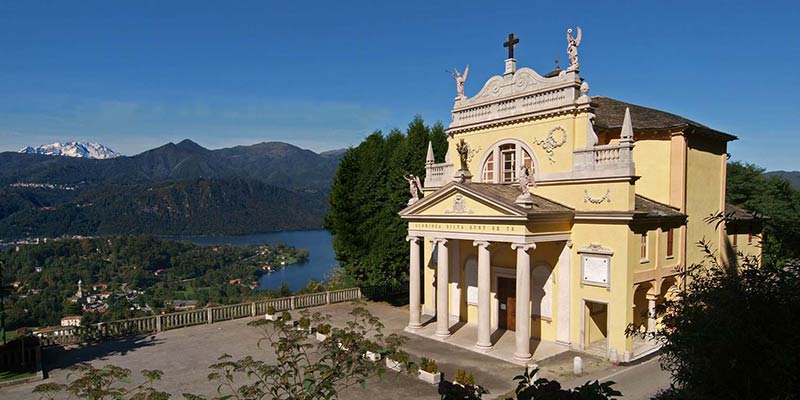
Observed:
{"x":367,"y":193}
{"x":103,"y":383}
{"x":305,"y":370}
{"x":774,"y":198}
{"x":731,"y":332}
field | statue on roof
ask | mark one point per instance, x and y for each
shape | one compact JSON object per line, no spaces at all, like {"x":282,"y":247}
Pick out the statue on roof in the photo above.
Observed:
{"x":572,"y":48}
{"x":414,"y":186}
{"x":525,"y":180}
{"x":460,"y":80}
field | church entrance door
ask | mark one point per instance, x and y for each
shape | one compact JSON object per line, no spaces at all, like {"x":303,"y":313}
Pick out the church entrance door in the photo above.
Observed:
{"x":506,"y":294}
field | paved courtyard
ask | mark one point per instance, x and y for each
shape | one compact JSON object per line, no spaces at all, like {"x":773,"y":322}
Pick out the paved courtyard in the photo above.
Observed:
{"x":184,"y":354}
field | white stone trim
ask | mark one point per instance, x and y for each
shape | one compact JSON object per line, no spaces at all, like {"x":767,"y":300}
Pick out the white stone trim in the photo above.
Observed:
{"x":499,"y":272}
{"x":494,"y":151}
{"x":582,"y":341}
{"x":492,"y":237}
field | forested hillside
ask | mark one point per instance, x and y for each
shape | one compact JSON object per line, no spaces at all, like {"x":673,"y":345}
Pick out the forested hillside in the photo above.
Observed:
{"x":174,"y":189}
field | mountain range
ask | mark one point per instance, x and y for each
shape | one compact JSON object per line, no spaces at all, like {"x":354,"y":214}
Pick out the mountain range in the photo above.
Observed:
{"x":72,"y":149}
{"x":792,"y":176}
{"x":174,"y":189}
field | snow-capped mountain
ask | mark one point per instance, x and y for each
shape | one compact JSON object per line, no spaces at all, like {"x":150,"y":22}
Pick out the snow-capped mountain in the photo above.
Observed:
{"x":73,"y":149}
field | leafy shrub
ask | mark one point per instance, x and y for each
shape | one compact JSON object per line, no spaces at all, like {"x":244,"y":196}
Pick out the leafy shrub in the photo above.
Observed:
{"x":271,"y":310}
{"x":464,"y":378}
{"x":324,"y":329}
{"x":428,"y":365}
{"x":530,"y":389}
{"x":286,"y":316}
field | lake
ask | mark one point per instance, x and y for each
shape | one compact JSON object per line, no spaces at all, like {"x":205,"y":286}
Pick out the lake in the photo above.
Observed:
{"x":320,"y":262}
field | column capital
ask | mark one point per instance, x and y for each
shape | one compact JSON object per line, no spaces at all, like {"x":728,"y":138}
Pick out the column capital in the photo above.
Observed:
{"x":414,"y":239}
{"x":439,"y":240}
{"x":482,"y":243}
{"x":651,"y":297}
{"x":523,"y":246}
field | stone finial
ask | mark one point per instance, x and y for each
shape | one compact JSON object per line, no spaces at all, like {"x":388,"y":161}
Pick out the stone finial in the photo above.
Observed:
{"x":627,"y":128}
{"x":591,"y":135}
{"x":429,"y":158}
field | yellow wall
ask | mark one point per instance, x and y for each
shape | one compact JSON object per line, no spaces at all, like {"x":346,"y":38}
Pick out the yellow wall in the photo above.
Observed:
{"x":652,"y":160}
{"x":704,"y":184}
{"x":618,"y":296}
{"x":574,"y":195}
{"x":528,"y":132}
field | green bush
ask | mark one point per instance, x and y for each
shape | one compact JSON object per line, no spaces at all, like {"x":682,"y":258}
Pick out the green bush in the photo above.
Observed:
{"x":324,"y":329}
{"x":428,"y":365}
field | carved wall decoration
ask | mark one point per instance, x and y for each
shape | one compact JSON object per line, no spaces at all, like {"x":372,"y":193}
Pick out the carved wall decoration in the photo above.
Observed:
{"x":596,"y":200}
{"x":459,"y":206}
{"x":550,"y":143}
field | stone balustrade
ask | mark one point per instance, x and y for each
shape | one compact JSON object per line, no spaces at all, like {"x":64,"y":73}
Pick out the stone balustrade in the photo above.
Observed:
{"x":605,"y":160}
{"x":438,"y":175}
{"x":162,"y":322}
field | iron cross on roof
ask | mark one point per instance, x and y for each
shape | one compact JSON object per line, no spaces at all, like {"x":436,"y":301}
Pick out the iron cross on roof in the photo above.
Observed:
{"x":512,"y":41}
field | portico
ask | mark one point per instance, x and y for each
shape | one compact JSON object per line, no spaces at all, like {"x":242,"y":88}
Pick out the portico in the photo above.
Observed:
{"x":481,"y":261}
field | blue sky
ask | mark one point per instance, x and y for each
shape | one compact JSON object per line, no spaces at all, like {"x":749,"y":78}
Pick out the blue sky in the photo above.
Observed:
{"x":322,"y":75}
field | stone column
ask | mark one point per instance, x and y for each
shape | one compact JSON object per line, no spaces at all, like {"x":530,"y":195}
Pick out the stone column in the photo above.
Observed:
{"x":523,"y":333}
{"x":484,"y":297}
{"x":651,"y":313}
{"x":414,"y":284}
{"x":442,"y":283}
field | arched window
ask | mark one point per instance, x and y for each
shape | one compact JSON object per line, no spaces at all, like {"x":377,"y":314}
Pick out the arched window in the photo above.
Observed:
{"x":502,"y":162}
{"x":542,"y":292}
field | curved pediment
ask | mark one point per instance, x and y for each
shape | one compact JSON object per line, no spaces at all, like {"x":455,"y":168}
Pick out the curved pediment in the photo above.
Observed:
{"x":518,"y":93}
{"x":524,"y":80}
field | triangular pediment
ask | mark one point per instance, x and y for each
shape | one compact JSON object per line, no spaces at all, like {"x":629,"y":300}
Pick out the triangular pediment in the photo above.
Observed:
{"x":458,"y":201}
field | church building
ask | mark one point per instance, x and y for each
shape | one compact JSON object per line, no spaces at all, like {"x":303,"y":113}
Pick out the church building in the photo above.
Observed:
{"x":559,"y":219}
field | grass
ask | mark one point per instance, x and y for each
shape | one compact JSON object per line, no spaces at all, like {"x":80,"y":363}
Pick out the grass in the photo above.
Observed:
{"x":6,"y":376}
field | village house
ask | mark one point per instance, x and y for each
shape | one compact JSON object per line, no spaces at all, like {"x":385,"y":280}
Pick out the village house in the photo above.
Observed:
{"x":561,"y":217}
{"x":71,"y":320}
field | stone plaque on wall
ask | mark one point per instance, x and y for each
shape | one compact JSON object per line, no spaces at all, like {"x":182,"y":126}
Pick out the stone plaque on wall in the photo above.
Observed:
{"x":596,"y":265}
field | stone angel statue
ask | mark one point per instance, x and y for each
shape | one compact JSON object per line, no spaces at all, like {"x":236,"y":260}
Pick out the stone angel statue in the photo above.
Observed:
{"x":460,"y":79}
{"x":525,"y":180}
{"x":572,"y":48}
{"x":414,"y":186}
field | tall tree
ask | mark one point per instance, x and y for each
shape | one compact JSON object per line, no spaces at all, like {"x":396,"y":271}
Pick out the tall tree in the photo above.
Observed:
{"x":367,"y":193}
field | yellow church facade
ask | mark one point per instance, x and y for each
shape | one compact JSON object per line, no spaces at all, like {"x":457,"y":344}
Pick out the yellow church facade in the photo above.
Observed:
{"x":559,"y":217}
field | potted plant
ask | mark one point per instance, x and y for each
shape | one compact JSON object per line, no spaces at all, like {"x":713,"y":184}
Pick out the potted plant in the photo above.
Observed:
{"x":462,"y":387}
{"x":372,"y":352}
{"x":429,"y":371}
{"x":464,"y":378}
{"x":286,"y":317}
{"x":272,"y":314}
{"x":323,"y":331}
{"x":304,"y":325}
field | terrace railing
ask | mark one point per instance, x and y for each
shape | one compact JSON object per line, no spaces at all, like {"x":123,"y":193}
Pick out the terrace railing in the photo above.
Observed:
{"x":162,"y":322}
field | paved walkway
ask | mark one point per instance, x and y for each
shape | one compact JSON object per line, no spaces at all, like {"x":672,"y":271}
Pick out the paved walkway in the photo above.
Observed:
{"x":184,"y":354}
{"x":465,"y":335}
